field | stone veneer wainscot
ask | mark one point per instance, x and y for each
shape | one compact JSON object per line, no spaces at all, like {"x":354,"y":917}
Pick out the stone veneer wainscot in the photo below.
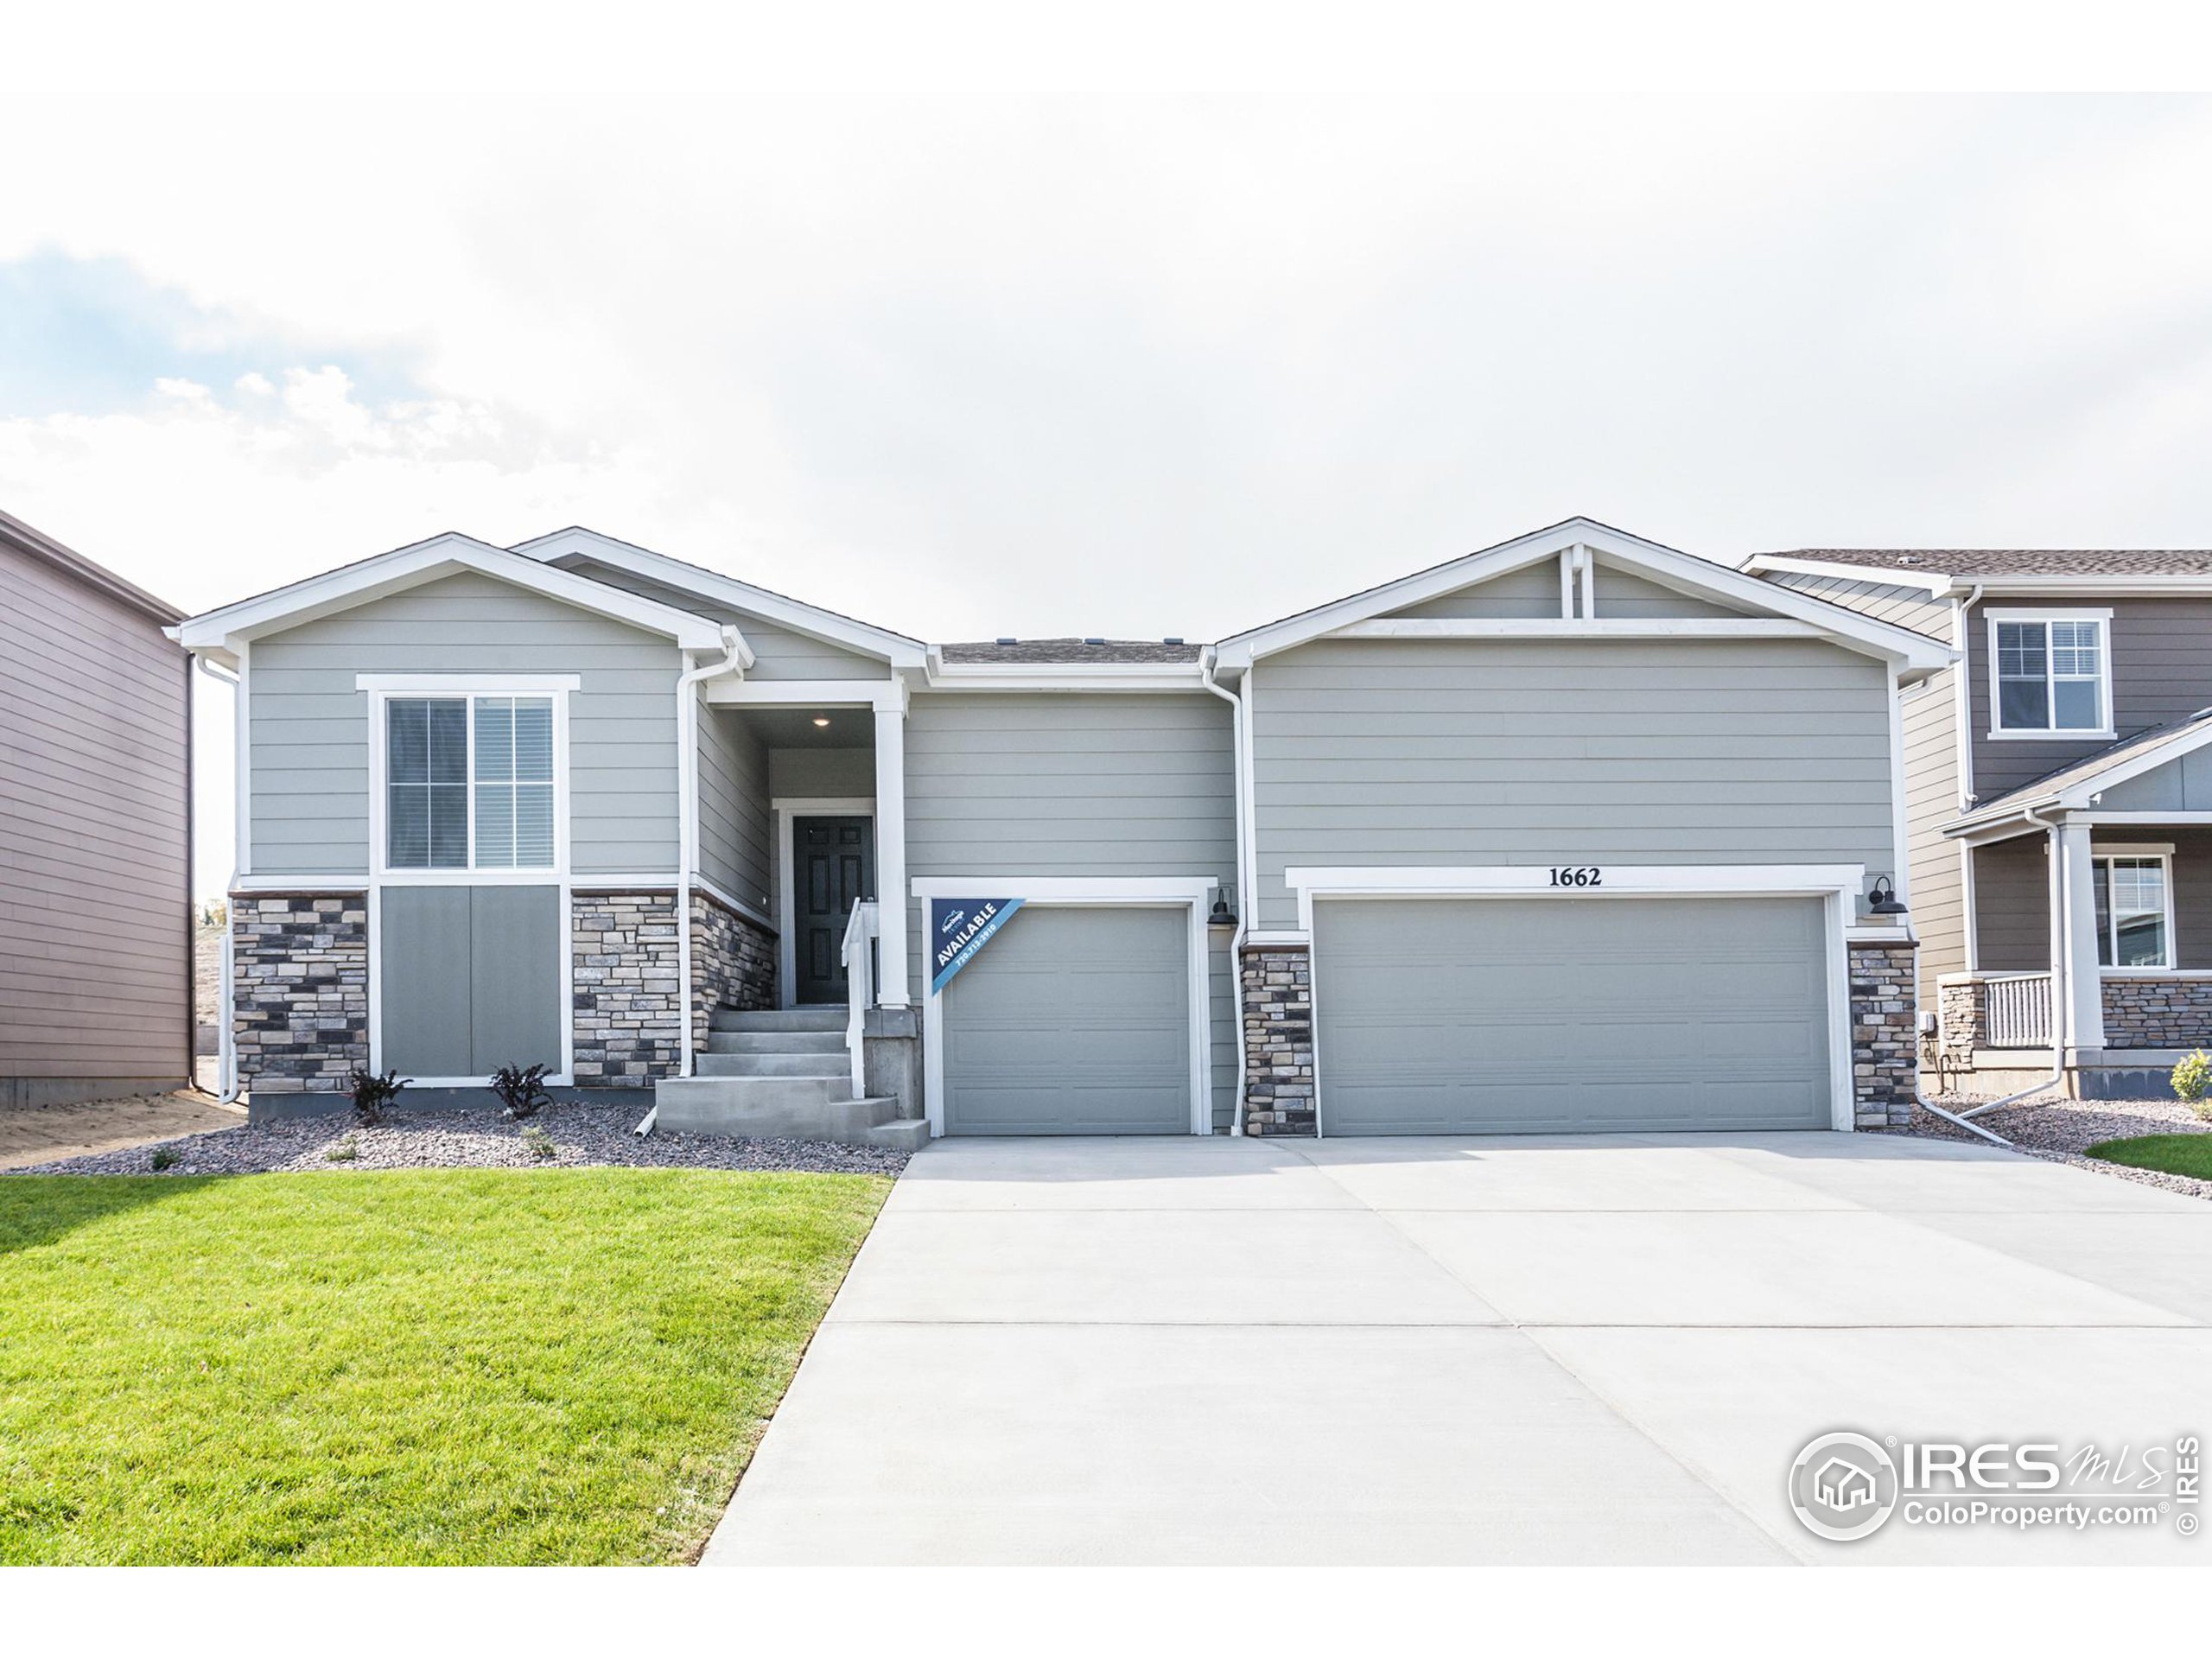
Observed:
{"x":300,"y":1003}
{"x":627,"y":1024}
{"x":1277,"y":991}
{"x":2157,"y":1010}
{"x":1885,"y":1031}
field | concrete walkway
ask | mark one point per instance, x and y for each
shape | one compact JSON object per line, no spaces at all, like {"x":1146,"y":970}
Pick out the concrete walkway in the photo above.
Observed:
{"x":1534,"y":1350}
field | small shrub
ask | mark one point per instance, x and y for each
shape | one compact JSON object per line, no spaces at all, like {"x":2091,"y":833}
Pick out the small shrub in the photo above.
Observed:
{"x":373,"y":1095}
{"x":540,"y":1143}
{"x":2192,"y":1078}
{"x":522,"y":1089}
{"x":343,"y":1152}
{"x":163,"y":1157}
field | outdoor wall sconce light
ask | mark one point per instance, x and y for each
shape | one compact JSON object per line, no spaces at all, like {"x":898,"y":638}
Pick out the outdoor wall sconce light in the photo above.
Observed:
{"x":1222,"y":915}
{"x":1883,"y":901}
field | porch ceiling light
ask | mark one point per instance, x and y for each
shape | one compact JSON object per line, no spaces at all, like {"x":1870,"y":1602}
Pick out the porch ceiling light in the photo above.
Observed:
{"x":822,"y":720}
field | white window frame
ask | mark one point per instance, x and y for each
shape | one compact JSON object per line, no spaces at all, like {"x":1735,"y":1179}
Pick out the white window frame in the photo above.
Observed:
{"x":383,"y":689}
{"x":2161,"y":855}
{"x":2103,"y":730}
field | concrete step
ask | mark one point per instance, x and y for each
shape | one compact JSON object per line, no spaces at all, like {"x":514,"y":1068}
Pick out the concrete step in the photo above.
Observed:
{"x":817,"y":1019}
{"x":770,"y":1107}
{"x":777,"y":1042}
{"x":902,"y":1135}
{"x":837,"y":1063}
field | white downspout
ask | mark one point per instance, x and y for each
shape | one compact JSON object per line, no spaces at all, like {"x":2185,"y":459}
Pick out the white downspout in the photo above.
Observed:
{"x":226,"y":1052}
{"x":735,"y":660}
{"x":1239,"y":736}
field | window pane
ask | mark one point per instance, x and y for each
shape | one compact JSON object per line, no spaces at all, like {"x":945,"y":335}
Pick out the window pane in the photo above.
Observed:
{"x":2100,"y":883}
{"x":495,"y":826}
{"x":534,"y":739}
{"x":2136,"y":909}
{"x":533,"y":809}
{"x":407,"y":828}
{"x":2077,"y":704}
{"x":2073,"y":648}
{"x":495,"y":739}
{"x":449,"y":740}
{"x":449,"y":825}
{"x":2023,"y":705}
{"x":407,"y":746}
{"x":2020,"y":651}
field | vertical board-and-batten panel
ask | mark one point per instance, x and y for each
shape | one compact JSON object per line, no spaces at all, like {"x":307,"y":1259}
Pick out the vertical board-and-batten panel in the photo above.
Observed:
{"x":310,"y":731}
{"x":1071,"y":784}
{"x":1932,"y":784}
{"x":1440,"y":752}
{"x":94,"y":891}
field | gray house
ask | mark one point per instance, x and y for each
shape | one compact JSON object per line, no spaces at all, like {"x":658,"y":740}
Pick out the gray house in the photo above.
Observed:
{"x":2060,"y":809}
{"x":1575,"y":833}
{"x":95,"y":831}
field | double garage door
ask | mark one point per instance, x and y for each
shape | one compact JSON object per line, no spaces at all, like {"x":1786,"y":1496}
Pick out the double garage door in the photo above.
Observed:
{"x":1433,"y":1016}
{"x":1534,"y":1015}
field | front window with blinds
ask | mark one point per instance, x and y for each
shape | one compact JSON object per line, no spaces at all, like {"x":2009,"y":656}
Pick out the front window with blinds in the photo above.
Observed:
{"x":468,"y":783}
{"x":2134,"y":913}
{"x":2051,"y":675}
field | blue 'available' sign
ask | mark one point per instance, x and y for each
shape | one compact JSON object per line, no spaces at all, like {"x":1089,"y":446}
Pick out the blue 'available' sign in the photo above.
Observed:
{"x":958,"y":929}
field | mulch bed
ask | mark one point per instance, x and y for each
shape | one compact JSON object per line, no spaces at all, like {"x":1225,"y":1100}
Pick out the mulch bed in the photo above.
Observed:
{"x":2059,"y":1131}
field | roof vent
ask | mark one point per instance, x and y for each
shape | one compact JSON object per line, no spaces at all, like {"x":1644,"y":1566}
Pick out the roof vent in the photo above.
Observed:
{"x":1910,"y":558}
{"x":1007,"y":639}
{"x":1094,"y":639}
{"x":1173,"y":639}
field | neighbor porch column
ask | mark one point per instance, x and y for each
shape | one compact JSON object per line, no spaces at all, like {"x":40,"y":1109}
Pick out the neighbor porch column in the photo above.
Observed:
{"x":2082,"y":1023}
{"x":891,"y":850}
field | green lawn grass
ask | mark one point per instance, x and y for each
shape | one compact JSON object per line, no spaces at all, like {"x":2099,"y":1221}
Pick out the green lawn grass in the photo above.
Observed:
{"x":2176,"y":1154}
{"x":434,"y":1366}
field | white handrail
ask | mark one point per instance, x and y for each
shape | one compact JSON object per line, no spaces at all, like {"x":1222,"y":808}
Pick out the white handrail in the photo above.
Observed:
{"x":2019,"y":1010}
{"x":863,"y":929}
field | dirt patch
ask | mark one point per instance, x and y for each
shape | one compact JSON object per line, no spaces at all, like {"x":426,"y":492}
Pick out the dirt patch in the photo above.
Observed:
{"x":43,"y":1134}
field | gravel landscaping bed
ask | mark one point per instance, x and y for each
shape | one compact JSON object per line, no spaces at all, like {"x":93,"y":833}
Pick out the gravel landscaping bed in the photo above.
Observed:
{"x":578,"y":1136}
{"x":2060,"y":1130}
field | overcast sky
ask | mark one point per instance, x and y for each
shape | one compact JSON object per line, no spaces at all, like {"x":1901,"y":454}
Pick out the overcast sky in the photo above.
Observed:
{"x":1179,"y":365}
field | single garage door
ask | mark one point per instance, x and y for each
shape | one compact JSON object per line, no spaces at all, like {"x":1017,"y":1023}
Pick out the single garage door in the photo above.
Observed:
{"x":1073,"y":1020}
{"x":1519,"y":1015}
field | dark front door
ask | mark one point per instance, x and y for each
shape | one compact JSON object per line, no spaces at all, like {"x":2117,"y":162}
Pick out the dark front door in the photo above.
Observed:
{"x":837,"y":869}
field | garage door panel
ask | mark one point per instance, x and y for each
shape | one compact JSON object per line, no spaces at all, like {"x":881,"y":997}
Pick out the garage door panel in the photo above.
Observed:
{"x":1534,"y":1015}
{"x":1073,"y":1020}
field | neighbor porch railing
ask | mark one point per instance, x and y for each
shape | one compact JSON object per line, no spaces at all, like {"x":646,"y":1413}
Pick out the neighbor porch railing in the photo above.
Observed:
{"x":862,"y":932}
{"x":2019,"y":1010}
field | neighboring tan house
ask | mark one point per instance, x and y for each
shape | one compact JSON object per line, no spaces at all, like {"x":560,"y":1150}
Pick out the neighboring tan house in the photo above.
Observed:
{"x":95,"y":831}
{"x":1574,"y":833}
{"x":2061,"y":805}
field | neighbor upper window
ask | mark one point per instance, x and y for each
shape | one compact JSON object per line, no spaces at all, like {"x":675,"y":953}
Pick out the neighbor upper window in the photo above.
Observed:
{"x":2052,"y":675}
{"x":468,"y":783}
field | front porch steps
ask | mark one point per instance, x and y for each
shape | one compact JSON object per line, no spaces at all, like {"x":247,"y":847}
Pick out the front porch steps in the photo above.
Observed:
{"x":781,"y":1074}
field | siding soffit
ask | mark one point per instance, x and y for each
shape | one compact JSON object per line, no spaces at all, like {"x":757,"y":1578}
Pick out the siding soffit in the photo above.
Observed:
{"x":1915,"y":654}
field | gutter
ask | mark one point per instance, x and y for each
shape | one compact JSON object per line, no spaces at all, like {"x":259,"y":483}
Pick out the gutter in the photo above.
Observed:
{"x":737,"y":658}
{"x":1240,"y":745}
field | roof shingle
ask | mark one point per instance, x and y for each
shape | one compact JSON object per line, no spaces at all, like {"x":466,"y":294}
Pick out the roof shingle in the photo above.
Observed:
{"x":1971,"y":563}
{"x":1072,"y":650}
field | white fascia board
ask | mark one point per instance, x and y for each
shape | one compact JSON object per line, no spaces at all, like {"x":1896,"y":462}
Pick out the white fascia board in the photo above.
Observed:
{"x":1548,"y":627}
{"x":1069,"y":889}
{"x":356,"y":584}
{"x":1904,"y":649}
{"x":795,"y":614}
{"x":1067,"y":676}
{"x":886,"y":694}
{"x":1935,"y":583}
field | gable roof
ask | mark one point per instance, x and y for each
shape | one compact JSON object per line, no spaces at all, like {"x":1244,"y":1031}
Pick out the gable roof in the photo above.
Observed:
{"x":795,"y":614}
{"x":1939,"y":567}
{"x":349,"y":585}
{"x":1667,"y":565}
{"x":36,"y":544}
{"x":2069,"y":787}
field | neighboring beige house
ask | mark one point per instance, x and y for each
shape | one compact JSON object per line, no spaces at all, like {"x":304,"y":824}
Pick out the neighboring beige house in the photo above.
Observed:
{"x":95,"y":831}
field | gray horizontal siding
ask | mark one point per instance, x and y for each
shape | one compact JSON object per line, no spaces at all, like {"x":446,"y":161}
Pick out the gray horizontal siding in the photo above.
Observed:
{"x":310,"y":731}
{"x":2161,"y":672}
{"x":2011,"y":899}
{"x":1533,"y":590}
{"x":1072,"y":785}
{"x":780,"y":653}
{"x":735,"y":844}
{"x":1412,"y":752}
{"x":822,"y":774}
{"x":94,"y":888}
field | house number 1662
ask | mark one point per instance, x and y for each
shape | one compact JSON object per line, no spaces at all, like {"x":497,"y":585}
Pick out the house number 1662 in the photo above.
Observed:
{"x":1577,"y":875}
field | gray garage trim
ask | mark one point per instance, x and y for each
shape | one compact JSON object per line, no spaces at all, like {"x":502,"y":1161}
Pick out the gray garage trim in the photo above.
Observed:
{"x":1059,"y":940}
{"x":1398,"y":961}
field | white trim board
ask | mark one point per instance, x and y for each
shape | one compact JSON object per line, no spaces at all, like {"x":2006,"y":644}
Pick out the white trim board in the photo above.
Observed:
{"x":879,"y":695}
{"x":1835,"y":885}
{"x":828,"y":626}
{"x":219,"y":632}
{"x":782,"y":808}
{"x":1190,"y":892}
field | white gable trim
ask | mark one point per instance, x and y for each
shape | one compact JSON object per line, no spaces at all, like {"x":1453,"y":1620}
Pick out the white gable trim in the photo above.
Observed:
{"x":1903,"y":648}
{"x":826,"y":625}
{"x":1932,"y":583}
{"x":218,"y":632}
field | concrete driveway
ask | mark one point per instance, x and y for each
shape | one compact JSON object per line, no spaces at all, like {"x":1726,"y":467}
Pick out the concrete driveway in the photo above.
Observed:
{"x":1526,"y":1350}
